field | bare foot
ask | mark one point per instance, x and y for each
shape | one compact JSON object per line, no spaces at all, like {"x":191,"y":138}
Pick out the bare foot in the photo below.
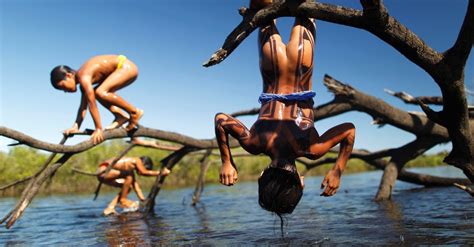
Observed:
{"x":134,"y":118}
{"x":126,"y":203}
{"x":108,"y":211}
{"x":117,"y":123}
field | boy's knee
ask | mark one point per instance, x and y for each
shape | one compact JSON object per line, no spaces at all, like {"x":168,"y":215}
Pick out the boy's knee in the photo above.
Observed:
{"x":349,"y":125}
{"x":101,"y":93}
{"x":220,"y":117}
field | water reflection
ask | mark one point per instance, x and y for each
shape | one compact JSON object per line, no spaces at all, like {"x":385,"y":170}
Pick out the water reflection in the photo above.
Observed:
{"x":231,"y":216}
{"x":126,"y":229}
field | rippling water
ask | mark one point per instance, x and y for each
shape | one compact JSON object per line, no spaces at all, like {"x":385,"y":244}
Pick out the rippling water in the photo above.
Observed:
{"x":226,"y":216}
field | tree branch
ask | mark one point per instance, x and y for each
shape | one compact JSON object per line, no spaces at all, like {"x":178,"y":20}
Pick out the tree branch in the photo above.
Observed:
{"x":169,"y":162}
{"x":416,"y":124}
{"x":112,"y":134}
{"x":202,"y":175}
{"x":32,"y":189}
{"x":457,"y":55}
{"x":381,"y":24}
{"x":407,"y":98}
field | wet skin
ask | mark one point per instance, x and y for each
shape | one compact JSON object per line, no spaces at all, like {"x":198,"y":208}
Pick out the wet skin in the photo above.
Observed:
{"x":285,"y":130}
{"x":124,"y":169}
{"x":99,"y":78}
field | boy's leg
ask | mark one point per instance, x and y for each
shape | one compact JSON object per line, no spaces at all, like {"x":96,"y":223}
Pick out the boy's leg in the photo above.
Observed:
{"x":124,"y":193}
{"x":120,"y":117}
{"x":115,"y":81}
{"x":300,"y":51}
{"x":343,"y":134}
{"x":270,"y":46}
{"x":110,"y":209}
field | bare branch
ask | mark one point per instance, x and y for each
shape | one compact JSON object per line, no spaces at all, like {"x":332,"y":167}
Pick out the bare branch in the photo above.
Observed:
{"x":202,"y":175}
{"x":457,"y":55}
{"x":375,"y":20}
{"x":416,"y":124}
{"x":45,"y":164}
{"x":465,"y":188}
{"x":32,"y":189}
{"x":169,"y":162}
{"x":76,"y":170}
{"x":154,"y":144}
{"x":407,"y":98}
{"x":253,"y":111}
{"x":111,"y":134}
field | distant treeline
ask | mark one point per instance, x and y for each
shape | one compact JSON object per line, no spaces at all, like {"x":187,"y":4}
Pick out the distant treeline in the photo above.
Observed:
{"x":21,"y":162}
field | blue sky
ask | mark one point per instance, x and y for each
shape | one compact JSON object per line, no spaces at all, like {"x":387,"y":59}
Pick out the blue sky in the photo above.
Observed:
{"x":170,"y":39}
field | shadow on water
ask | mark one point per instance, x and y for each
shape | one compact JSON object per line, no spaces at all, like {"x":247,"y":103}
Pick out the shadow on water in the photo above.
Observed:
{"x":415,"y":216}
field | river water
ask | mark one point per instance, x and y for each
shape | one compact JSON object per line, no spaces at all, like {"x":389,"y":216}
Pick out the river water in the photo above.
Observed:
{"x":231,"y":215}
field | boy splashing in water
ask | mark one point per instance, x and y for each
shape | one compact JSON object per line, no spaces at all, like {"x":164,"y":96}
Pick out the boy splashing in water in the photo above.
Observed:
{"x":99,"y":78}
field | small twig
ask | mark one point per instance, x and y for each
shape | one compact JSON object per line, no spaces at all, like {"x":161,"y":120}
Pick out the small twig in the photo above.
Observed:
{"x":84,"y":172}
{"x":465,"y":188}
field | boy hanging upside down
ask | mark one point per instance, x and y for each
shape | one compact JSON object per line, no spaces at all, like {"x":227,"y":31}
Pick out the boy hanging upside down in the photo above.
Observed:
{"x":285,"y":127}
{"x":99,"y":78}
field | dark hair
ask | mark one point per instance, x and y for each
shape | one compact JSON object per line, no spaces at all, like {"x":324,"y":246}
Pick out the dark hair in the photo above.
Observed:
{"x":59,"y":73}
{"x":279,"y":190}
{"x":147,"y":162}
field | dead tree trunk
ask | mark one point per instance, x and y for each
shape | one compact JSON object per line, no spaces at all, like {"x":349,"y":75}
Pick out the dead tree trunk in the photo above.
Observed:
{"x":202,"y":176}
{"x":398,"y":159}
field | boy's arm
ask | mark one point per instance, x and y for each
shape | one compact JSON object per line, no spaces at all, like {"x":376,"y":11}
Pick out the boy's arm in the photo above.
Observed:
{"x":142,"y":169}
{"x":88,"y":90}
{"x":81,"y":114}
{"x":138,"y":191}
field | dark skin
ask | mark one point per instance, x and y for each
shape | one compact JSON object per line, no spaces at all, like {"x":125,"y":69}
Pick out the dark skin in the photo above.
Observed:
{"x":124,"y":169}
{"x":99,"y":79}
{"x":285,"y":130}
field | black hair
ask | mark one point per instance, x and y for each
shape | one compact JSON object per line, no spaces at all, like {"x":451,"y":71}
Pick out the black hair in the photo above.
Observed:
{"x":59,"y":73}
{"x":147,"y":162}
{"x":279,"y":191}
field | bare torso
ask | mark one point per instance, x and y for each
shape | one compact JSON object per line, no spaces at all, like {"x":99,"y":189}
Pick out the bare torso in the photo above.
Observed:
{"x":98,"y":68}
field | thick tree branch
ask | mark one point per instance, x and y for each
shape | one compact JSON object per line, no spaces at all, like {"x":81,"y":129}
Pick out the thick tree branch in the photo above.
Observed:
{"x":457,"y":55}
{"x":375,"y":20}
{"x":416,"y":124}
{"x":112,"y":134}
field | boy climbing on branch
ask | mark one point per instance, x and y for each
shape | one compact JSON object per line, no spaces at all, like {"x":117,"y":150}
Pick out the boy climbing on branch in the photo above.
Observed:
{"x":99,"y":78}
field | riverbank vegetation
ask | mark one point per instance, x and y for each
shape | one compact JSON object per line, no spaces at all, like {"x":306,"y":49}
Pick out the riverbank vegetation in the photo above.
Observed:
{"x":21,"y":162}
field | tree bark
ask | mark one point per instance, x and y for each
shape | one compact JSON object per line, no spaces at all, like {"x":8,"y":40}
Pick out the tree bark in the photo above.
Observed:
{"x":202,"y":176}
